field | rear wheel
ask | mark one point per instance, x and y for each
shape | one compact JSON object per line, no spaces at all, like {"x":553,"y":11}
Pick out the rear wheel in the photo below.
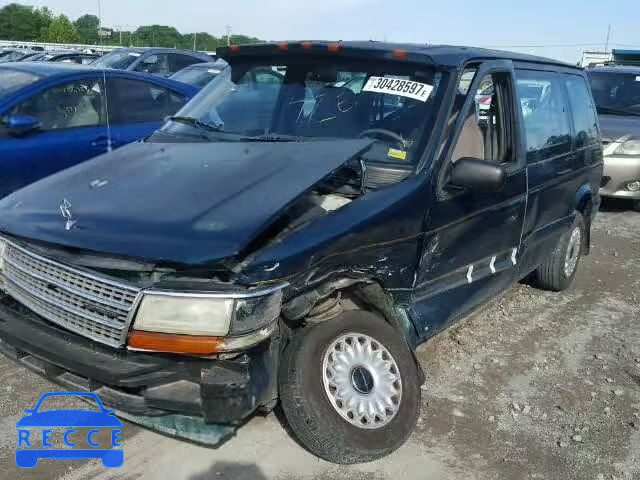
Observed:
{"x":559,"y":270}
{"x":349,"y":388}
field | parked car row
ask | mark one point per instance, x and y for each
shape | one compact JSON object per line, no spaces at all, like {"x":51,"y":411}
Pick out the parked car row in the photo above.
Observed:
{"x":14,"y":54}
{"x":295,"y":230}
{"x":66,"y":56}
{"x":157,"y":61}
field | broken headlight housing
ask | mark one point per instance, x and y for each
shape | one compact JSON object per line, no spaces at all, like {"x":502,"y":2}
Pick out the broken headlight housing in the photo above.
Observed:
{"x":204,"y":323}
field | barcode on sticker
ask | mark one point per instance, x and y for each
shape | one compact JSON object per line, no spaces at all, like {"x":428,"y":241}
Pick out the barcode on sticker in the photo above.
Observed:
{"x":397,"y":86}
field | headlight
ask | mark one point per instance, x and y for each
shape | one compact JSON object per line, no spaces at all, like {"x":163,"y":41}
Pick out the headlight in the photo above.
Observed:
{"x":204,"y":324}
{"x":630,"y":147}
{"x":633,"y":186}
{"x":186,"y":315}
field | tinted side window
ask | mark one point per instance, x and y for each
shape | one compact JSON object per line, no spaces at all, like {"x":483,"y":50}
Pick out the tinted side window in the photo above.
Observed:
{"x":585,"y":119}
{"x":179,"y":61}
{"x":133,"y":101}
{"x":154,"y":64}
{"x":545,"y":112}
{"x":71,"y":105}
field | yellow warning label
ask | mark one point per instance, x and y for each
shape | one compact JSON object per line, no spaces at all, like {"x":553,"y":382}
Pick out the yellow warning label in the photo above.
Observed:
{"x":395,"y":153}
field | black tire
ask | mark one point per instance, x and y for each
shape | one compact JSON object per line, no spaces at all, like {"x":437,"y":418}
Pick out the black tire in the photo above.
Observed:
{"x":635,"y":205}
{"x":551,"y":274}
{"x":312,"y":418}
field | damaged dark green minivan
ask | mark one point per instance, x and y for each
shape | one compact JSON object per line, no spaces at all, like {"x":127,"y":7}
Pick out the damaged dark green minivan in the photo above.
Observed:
{"x":296,"y":230}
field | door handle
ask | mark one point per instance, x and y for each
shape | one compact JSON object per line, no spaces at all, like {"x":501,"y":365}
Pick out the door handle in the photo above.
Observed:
{"x":102,"y":141}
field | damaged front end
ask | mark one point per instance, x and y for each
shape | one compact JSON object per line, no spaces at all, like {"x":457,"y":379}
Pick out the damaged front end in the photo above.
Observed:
{"x":168,"y":276}
{"x":93,"y":332}
{"x":160,"y":339}
{"x":181,"y":347}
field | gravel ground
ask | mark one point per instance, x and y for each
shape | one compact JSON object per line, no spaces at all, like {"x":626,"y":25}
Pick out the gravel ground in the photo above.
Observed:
{"x":537,"y":385}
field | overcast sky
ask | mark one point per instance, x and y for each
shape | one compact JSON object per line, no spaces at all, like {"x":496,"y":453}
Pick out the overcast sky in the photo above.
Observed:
{"x":497,"y":23}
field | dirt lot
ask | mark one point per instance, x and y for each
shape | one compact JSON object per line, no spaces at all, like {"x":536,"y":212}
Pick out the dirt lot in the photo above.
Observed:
{"x":537,"y":386}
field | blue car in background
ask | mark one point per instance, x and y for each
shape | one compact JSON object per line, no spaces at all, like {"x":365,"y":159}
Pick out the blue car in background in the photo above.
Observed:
{"x":163,"y":62}
{"x":199,"y":74}
{"x":55,"y":115}
{"x":68,"y":418}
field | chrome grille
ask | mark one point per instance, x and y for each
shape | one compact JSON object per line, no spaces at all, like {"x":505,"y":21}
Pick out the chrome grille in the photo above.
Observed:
{"x":97,"y":308}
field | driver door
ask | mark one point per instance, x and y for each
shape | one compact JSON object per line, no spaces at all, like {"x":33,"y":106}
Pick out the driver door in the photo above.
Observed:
{"x":73,"y":129}
{"x":471,"y":248}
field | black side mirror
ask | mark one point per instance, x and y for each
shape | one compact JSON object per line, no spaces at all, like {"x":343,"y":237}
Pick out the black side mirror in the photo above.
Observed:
{"x":478,"y":175}
{"x":22,"y":124}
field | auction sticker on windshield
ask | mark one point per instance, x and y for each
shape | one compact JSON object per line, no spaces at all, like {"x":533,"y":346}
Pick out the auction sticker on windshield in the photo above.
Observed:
{"x":396,"y":86}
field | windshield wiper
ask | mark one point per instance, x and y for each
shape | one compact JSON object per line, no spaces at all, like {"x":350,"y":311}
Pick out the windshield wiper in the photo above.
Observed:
{"x":615,"y":111}
{"x":271,"y":138}
{"x":194,"y":122}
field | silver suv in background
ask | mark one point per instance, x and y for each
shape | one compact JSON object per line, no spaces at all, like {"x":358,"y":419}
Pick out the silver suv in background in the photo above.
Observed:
{"x":616,"y":91}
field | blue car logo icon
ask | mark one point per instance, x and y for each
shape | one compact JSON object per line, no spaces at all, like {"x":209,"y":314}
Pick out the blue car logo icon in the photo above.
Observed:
{"x":69,"y":418}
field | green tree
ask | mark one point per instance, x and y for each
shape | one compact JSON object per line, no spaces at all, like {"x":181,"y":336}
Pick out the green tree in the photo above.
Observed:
{"x":62,"y":30}
{"x":157,"y":36}
{"x":240,"y":40}
{"x":23,"y":23}
{"x":87,"y":27}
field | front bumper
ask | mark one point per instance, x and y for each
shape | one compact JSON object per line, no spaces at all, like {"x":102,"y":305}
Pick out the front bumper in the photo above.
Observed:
{"x":144,"y":384}
{"x":618,"y":172}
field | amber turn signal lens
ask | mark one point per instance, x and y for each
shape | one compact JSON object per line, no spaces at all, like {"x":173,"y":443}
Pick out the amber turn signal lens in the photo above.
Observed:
{"x":171,"y":343}
{"x":400,"y":54}
{"x":333,"y":47}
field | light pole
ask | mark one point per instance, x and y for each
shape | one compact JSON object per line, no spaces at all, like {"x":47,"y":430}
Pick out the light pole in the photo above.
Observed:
{"x":100,"y":26}
{"x":606,"y":44}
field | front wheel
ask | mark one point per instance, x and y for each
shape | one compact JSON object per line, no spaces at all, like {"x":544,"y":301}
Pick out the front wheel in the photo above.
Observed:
{"x":559,"y":270}
{"x":349,"y":388}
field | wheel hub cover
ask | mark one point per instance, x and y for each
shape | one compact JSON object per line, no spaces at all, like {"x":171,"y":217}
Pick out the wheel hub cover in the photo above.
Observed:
{"x":362,"y":380}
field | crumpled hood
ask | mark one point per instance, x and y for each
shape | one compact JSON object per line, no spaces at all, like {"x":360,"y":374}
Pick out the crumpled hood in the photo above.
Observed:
{"x":616,"y":126}
{"x":189,"y":203}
